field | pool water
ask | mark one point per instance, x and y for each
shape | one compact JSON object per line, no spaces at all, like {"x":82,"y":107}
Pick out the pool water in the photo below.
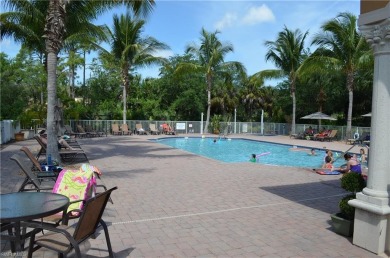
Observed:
{"x":240,"y":150}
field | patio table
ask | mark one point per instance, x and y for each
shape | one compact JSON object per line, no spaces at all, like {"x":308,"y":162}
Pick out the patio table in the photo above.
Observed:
{"x":24,"y":206}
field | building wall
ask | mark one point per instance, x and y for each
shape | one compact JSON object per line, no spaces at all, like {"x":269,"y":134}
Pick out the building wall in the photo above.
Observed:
{"x":371,"y":5}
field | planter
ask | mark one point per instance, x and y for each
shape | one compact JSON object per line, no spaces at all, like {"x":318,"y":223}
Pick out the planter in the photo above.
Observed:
{"x":19,"y":136}
{"x":28,"y":133}
{"x":342,"y":226}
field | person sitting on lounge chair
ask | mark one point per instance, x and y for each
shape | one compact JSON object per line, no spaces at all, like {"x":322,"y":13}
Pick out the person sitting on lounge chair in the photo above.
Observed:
{"x":61,"y":141}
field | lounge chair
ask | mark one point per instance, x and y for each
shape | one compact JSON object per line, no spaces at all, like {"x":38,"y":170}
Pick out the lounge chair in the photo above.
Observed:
{"x":330,"y":137}
{"x":63,"y":239}
{"x":67,"y":156}
{"x":36,"y":167}
{"x":32,"y":180}
{"x":89,"y":129}
{"x":139,"y":130}
{"x":125,"y":130}
{"x":69,"y":131}
{"x":153,"y":130}
{"x":167,"y":129}
{"x":115,"y":129}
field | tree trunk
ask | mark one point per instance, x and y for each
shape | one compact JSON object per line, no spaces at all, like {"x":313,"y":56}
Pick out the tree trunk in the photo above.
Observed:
{"x":54,"y":33}
{"x":293,"y":112}
{"x":126,"y":84}
{"x":350,"y":104}
{"x":208,"y":103}
{"x":52,"y":144}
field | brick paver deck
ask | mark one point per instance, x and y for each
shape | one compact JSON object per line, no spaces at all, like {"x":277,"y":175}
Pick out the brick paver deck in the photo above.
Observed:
{"x":171,"y":203}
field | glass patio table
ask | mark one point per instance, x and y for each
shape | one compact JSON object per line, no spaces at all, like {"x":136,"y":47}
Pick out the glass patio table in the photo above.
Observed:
{"x":24,"y":206}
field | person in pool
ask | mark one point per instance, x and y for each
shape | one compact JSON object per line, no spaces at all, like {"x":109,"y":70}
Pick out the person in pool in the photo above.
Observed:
{"x":253,"y":158}
{"x":329,"y":153}
{"x":312,"y":152}
{"x":352,"y":165}
{"x":328,"y":165}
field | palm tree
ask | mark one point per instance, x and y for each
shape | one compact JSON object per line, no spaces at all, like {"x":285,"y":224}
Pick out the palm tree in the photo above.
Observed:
{"x":341,"y":46}
{"x":131,"y":50}
{"x":210,"y":54}
{"x":57,"y":25}
{"x":252,"y":96}
{"x":287,"y":53}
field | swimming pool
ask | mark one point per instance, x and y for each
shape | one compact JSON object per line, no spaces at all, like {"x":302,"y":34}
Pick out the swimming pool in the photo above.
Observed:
{"x":240,"y":150}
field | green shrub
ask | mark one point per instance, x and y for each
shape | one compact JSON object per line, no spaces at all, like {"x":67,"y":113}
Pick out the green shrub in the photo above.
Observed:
{"x":351,"y":182}
{"x":347,"y":210}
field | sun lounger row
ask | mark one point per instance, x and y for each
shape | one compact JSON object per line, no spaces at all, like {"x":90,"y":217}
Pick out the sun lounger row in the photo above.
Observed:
{"x":327,"y":135}
{"x":139,"y":130}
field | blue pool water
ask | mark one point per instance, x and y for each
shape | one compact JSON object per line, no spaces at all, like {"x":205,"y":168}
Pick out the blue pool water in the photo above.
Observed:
{"x":240,"y":150}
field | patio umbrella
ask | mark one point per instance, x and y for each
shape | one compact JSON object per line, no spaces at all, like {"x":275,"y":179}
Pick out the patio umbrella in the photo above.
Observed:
{"x":319,"y":116}
{"x":367,"y":115}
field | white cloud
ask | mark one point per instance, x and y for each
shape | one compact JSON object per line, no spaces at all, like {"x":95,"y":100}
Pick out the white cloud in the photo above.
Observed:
{"x":258,"y":15}
{"x":227,"y":21}
{"x":253,"y":16}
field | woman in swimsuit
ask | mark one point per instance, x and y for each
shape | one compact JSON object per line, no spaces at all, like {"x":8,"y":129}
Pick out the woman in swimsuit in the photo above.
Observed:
{"x":352,"y":165}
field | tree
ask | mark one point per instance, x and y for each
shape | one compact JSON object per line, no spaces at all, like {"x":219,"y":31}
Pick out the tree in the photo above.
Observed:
{"x":252,"y":97}
{"x":287,"y":53}
{"x":130,"y":49}
{"x":57,"y":23}
{"x":210,"y":54}
{"x":341,"y":46}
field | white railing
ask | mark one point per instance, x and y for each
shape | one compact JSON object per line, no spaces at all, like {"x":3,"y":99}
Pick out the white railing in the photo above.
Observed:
{"x":10,"y":127}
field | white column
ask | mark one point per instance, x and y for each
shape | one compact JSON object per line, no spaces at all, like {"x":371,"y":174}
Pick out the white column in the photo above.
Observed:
{"x":372,"y":215}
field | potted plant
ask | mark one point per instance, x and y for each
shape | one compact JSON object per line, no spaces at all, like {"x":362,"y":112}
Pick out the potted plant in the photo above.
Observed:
{"x":342,"y":221}
{"x":19,"y":136}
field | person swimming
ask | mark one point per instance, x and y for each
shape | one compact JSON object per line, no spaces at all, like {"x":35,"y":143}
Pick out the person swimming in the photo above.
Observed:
{"x":253,"y":158}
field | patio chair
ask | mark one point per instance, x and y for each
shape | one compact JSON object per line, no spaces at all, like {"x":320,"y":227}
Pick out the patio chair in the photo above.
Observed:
{"x":115,"y":129}
{"x":63,"y":239}
{"x":69,"y":131}
{"x":153,"y":129}
{"x":31,"y":179}
{"x":90,"y":130}
{"x":167,"y":129}
{"x":125,"y":130}
{"x":81,"y":129}
{"x":139,"y":130}
{"x":67,"y":156}
{"x":331,"y":136}
{"x":37,"y":167}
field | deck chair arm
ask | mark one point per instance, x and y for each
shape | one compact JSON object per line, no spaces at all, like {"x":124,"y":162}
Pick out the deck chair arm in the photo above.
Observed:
{"x":68,"y":215}
{"x":46,"y":226}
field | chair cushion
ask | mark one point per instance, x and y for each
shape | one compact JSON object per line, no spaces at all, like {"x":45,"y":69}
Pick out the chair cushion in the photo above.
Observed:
{"x":56,"y":241}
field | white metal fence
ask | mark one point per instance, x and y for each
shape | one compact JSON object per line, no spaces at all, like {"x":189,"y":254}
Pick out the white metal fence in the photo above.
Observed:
{"x":10,"y":127}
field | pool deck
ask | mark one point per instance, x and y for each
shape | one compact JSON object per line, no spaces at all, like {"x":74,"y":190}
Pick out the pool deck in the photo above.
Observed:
{"x":171,"y":203}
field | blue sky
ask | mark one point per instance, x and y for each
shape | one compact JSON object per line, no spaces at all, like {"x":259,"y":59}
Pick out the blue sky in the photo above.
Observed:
{"x":244,"y":24}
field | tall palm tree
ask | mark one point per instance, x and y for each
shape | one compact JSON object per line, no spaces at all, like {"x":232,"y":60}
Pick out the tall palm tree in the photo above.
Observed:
{"x":131,"y":50}
{"x":287,"y":53}
{"x":341,"y":46}
{"x":211,"y":54}
{"x":57,"y":25}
